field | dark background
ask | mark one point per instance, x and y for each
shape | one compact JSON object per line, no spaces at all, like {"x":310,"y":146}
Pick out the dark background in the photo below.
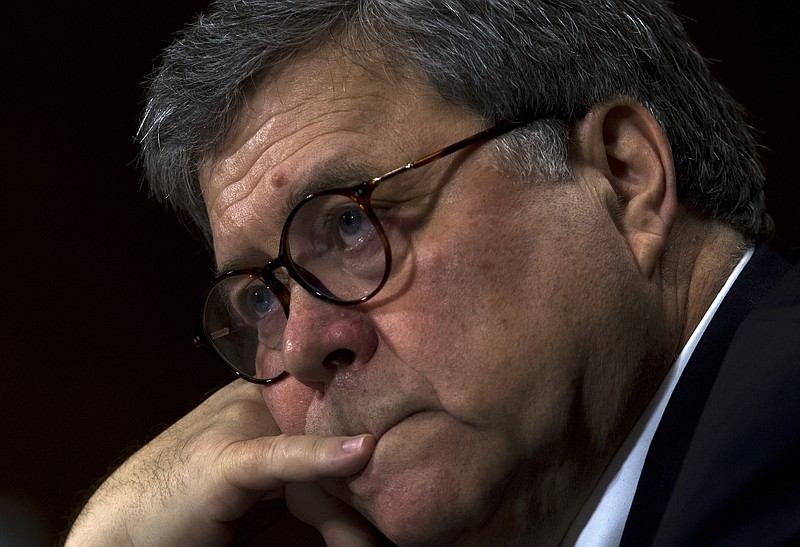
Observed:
{"x":100,"y":284}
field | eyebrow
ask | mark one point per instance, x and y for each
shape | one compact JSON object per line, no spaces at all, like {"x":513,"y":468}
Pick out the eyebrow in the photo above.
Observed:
{"x":246,"y":259}
{"x":332,"y":173}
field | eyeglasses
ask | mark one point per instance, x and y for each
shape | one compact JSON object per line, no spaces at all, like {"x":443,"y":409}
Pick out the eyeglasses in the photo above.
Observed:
{"x":332,"y":244}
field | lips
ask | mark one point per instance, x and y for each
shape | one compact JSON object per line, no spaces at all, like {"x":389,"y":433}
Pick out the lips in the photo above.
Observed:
{"x":402,"y":415}
{"x":387,"y":460}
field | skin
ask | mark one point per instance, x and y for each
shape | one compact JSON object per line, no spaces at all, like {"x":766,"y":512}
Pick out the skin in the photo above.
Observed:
{"x":525,"y":325}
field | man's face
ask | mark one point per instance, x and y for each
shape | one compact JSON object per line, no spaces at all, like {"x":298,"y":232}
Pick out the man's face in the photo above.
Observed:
{"x":495,"y":368}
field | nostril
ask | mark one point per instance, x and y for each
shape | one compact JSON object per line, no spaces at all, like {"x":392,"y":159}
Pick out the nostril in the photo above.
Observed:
{"x":340,"y":357}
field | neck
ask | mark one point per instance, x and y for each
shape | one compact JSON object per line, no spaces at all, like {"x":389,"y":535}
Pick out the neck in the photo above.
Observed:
{"x":695,"y":267}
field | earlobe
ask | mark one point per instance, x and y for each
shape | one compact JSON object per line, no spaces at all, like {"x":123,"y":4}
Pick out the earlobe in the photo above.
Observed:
{"x":622,"y":140}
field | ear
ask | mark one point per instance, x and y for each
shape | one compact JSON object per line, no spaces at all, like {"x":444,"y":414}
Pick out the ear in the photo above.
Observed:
{"x":621,"y":140}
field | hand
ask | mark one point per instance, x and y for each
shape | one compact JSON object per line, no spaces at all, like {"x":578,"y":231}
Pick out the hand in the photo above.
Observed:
{"x":191,"y":484}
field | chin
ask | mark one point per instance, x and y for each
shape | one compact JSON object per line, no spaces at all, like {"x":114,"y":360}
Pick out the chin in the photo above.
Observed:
{"x":420,"y":516}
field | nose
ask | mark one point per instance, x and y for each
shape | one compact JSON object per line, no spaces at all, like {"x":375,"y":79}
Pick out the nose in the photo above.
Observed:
{"x":322,"y":339}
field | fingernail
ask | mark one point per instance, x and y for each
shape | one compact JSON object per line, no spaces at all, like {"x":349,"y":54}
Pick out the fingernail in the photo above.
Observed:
{"x":354,"y":444}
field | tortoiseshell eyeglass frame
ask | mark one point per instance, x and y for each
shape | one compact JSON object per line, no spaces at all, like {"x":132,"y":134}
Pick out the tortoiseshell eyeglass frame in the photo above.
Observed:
{"x":360,"y":194}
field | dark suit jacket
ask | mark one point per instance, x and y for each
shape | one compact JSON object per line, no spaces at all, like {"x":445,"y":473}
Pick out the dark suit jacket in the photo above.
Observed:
{"x":724,"y":464}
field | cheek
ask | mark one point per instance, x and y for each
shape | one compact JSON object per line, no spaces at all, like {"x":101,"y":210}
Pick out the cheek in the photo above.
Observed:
{"x":505,"y":316}
{"x":459,"y":318}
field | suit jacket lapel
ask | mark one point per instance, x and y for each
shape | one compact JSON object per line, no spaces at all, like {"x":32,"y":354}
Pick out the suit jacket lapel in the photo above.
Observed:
{"x":671,"y":441}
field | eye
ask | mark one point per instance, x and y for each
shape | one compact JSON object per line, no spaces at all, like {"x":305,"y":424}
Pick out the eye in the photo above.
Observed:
{"x":261,"y":300}
{"x":254,"y":301}
{"x":353,"y":227}
{"x":326,"y":228}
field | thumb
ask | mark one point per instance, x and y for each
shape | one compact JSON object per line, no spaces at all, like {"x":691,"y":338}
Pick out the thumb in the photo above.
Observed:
{"x":339,"y":524}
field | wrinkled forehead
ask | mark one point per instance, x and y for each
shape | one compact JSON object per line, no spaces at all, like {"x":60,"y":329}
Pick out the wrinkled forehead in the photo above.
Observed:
{"x":323,"y":71}
{"x":322,"y":109}
{"x":312,"y":88}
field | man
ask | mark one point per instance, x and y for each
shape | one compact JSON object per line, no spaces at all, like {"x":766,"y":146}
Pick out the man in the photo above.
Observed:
{"x":476,"y":347}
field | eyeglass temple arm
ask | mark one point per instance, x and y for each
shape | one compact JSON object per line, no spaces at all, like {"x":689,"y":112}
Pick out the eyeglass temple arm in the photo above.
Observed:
{"x":485,"y":135}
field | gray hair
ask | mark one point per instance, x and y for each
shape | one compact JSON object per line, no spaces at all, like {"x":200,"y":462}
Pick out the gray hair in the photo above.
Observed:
{"x":500,"y":59}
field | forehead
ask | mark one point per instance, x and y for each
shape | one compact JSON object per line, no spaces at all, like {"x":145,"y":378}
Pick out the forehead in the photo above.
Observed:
{"x":322,"y":117}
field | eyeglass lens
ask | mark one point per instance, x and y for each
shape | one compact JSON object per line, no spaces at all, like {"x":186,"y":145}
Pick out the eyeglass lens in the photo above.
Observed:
{"x":336,"y":248}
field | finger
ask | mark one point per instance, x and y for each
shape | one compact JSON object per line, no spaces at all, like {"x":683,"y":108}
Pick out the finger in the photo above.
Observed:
{"x":339,"y":524}
{"x":268,"y":463}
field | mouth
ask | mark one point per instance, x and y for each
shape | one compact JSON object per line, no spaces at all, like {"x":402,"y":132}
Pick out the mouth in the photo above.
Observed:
{"x":405,"y":468}
{"x":396,"y":441}
{"x":382,"y":431}
{"x":401,"y":443}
